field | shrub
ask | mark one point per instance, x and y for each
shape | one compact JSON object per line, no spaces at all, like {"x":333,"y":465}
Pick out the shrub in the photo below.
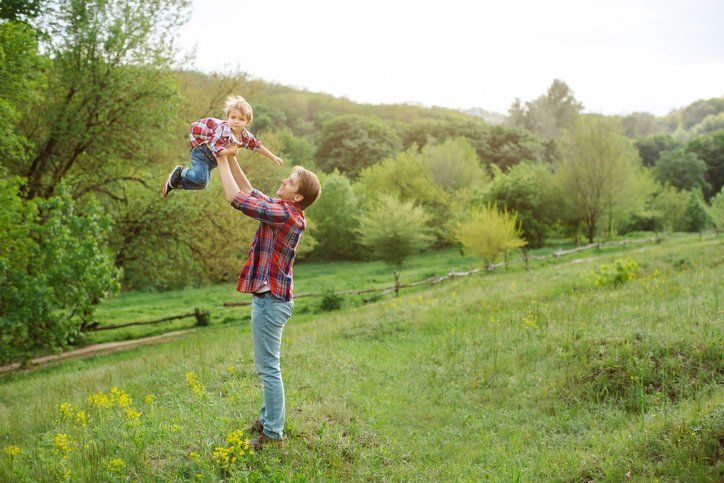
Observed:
{"x":52,"y":269}
{"x":616,"y":273}
{"x":487,"y":232}
{"x":330,"y":301}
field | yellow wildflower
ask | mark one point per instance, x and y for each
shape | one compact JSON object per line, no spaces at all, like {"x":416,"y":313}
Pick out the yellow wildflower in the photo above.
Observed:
{"x":81,"y":418}
{"x":150,"y":398}
{"x":99,"y":399}
{"x":193,"y":456}
{"x":123,"y":400}
{"x":11,"y":450}
{"x":62,"y":443}
{"x":231,"y":369}
{"x":66,"y":409}
{"x":132,"y":414}
{"x":115,"y":464}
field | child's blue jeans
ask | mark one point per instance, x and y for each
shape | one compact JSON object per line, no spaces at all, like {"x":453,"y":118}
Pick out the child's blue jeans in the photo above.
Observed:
{"x":268,"y":316}
{"x":197,"y":176}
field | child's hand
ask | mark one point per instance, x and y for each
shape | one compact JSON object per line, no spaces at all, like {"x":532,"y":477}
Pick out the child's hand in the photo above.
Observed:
{"x":229,"y":149}
{"x":278,"y":160}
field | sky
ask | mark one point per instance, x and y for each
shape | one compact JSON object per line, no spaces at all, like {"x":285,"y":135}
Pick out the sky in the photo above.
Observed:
{"x":617,"y":56}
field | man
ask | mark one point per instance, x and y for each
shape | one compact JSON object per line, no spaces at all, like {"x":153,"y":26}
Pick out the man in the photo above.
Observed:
{"x":267,"y":274}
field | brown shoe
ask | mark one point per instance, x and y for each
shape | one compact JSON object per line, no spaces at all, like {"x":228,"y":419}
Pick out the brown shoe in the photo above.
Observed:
{"x":255,"y":428}
{"x":263,"y":439}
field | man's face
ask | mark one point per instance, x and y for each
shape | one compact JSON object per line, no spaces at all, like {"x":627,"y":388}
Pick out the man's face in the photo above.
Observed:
{"x":236,"y":120}
{"x":289,"y":188}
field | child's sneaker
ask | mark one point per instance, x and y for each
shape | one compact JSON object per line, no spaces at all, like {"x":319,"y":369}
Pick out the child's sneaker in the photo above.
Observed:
{"x":173,"y":180}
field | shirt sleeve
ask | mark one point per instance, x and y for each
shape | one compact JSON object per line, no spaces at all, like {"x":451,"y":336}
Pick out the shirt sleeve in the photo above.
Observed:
{"x":250,"y":142}
{"x":258,"y":194}
{"x":260,"y":208}
{"x":218,"y":139}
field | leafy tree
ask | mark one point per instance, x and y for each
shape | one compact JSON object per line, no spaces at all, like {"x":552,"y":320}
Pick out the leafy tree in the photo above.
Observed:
{"x":710,"y":149}
{"x":19,"y":9}
{"x":596,"y":173}
{"x":52,"y":269}
{"x":454,"y":164}
{"x":20,"y":76}
{"x":525,"y":190}
{"x":640,"y":124}
{"x":669,"y":207}
{"x":681,"y":169}
{"x":336,"y":218}
{"x":488,"y":232}
{"x":696,"y":216}
{"x":391,"y":230}
{"x":110,"y":74}
{"x":650,"y":148}
{"x":716,"y":212}
{"x":549,"y":114}
{"x":350,"y":143}
{"x":407,"y":177}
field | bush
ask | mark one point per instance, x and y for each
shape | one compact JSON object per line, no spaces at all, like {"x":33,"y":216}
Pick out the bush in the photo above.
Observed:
{"x":330,"y":301}
{"x":392,"y":230}
{"x":616,"y":273}
{"x":488,"y":232}
{"x":52,"y":269}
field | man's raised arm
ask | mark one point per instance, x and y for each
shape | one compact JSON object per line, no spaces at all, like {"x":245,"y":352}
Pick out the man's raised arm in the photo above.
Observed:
{"x":229,"y":181}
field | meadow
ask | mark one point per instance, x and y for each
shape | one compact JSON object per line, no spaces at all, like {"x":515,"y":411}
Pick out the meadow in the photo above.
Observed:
{"x":502,"y":376}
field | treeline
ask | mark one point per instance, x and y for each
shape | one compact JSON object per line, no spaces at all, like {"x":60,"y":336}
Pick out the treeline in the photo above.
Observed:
{"x":95,"y":110}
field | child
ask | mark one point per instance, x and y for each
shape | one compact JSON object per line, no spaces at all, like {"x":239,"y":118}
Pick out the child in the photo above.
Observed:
{"x":211,"y":138}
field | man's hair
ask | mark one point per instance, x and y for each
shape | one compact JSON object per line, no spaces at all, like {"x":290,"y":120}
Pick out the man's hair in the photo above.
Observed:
{"x":309,"y":186}
{"x":240,"y":104}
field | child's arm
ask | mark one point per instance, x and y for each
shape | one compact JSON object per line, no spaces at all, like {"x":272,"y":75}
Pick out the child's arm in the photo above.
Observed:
{"x":263,"y":150}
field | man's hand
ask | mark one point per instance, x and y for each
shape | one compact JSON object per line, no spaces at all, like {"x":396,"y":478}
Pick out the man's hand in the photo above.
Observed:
{"x":278,"y":160}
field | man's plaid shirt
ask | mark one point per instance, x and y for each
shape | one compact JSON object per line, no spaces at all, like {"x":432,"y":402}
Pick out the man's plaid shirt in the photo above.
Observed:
{"x":275,"y":243}
{"x":217,"y":133}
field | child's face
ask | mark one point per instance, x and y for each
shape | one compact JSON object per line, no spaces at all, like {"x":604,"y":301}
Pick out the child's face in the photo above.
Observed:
{"x":237,"y":120}
{"x":289,"y":188}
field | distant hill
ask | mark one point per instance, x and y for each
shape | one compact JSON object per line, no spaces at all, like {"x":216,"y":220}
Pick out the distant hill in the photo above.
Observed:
{"x":489,"y":116}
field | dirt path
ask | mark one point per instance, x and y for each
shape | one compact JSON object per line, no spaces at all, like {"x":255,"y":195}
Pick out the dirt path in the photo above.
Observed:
{"x":94,"y":349}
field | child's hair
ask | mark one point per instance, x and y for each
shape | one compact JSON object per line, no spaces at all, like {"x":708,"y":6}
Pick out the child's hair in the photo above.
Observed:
{"x":240,"y":104}
{"x":309,"y":186}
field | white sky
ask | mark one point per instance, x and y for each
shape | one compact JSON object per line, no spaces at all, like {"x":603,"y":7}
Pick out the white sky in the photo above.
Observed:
{"x":618,"y":56}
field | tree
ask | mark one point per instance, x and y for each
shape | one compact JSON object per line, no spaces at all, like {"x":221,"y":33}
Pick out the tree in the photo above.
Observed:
{"x":350,"y":143}
{"x":110,"y":74}
{"x":549,"y":114}
{"x":487,"y":232}
{"x":710,"y":149}
{"x":336,"y":218}
{"x":594,"y":177}
{"x":392,"y":230}
{"x":53,"y":271}
{"x":696,"y":216}
{"x":19,"y":9}
{"x":454,"y":164}
{"x":650,"y":148}
{"x":407,"y":177}
{"x":682,"y":170}
{"x":716,"y":212}
{"x":524,"y":189}
{"x":20,"y":76}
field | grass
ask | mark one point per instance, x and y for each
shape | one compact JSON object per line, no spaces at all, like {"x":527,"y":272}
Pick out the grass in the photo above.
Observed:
{"x":309,"y":277}
{"x":504,"y":376}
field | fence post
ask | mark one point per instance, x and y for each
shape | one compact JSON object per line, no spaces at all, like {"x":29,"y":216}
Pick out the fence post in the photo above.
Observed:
{"x":525,"y":255}
{"x":397,"y":284}
{"x":202,"y":317}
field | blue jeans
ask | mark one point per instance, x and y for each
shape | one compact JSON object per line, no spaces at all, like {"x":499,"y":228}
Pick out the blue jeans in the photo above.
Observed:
{"x":197,"y":176}
{"x":268,"y":316}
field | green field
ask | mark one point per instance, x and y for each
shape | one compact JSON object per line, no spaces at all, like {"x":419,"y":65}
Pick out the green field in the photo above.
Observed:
{"x":504,"y":376}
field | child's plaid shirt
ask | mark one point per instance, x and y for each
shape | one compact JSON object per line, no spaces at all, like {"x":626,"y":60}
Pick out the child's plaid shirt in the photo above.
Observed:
{"x":217,"y":133}
{"x":275,"y":243}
